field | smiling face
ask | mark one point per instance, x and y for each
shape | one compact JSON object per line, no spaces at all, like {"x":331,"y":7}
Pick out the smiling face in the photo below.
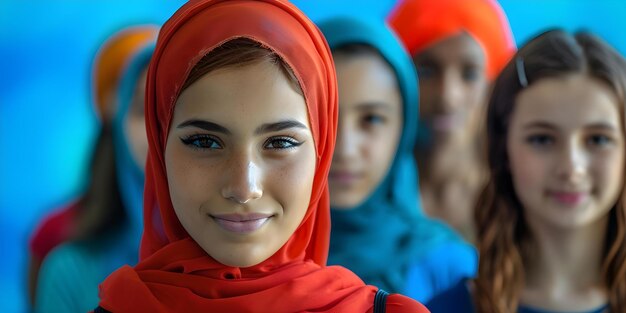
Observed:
{"x":453,"y":87}
{"x":370,"y":125}
{"x":566,"y":151}
{"x":240,"y":162}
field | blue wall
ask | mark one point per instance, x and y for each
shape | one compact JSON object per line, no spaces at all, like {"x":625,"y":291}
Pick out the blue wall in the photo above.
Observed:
{"x":46,"y":120}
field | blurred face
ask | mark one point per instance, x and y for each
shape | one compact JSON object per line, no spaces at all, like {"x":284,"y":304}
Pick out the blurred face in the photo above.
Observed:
{"x":135,"y":124}
{"x":240,"y":161}
{"x":370,"y":125}
{"x":453,"y":87}
{"x":566,"y":151}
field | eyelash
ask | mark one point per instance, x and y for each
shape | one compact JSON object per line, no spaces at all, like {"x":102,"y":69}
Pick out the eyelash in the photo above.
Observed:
{"x":196,"y":142}
{"x":199,"y":142}
{"x":426,"y":71}
{"x":373,"y":119}
{"x":470,"y":73}
{"x":291,"y":141}
{"x":541,"y":140}
{"x":605,"y":140}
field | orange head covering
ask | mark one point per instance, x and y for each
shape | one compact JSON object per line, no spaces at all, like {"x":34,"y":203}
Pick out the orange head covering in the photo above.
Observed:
{"x":421,"y":23}
{"x":174,"y":272}
{"x":111,"y":61}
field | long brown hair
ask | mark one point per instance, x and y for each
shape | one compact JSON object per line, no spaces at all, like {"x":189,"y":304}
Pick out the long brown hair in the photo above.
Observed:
{"x":102,"y":208}
{"x":503,"y":235}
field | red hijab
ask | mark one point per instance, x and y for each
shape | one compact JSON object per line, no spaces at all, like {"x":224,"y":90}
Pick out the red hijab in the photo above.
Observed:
{"x":421,"y":23}
{"x":176,"y":274}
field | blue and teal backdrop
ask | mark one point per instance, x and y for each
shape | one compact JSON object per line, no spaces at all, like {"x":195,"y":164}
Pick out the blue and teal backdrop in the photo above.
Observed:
{"x":47,"y":125}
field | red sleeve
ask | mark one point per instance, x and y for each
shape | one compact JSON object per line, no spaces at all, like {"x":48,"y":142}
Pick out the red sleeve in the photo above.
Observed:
{"x":397,"y":303}
{"x":55,"y":229}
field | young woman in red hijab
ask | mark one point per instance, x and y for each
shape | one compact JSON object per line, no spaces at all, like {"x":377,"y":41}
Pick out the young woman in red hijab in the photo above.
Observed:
{"x":458,"y":47}
{"x":241,"y":115}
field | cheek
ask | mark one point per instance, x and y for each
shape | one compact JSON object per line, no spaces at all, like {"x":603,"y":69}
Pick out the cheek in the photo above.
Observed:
{"x":188,"y":179}
{"x":175,"y":169}
{"x":135,"y":131}
{"x":609,"y":174}
{"x":138,"y":132}
{"x":476,"y":94}
{"x":290,"y":183}
{"x":427,"y":97}
{"x":528,"y":169}
{"x":381,"y":147}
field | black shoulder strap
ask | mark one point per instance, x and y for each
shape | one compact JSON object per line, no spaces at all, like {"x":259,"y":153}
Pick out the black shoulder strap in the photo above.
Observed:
{"x":99,"y":309}
{"x":380,"y":301}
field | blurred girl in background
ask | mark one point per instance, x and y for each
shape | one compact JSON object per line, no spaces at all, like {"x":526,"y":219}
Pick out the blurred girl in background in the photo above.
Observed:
{"x":458,"y":47}
{"x":106,"y":224}
{"x":378,"y":229}
{"x":552,"y":220}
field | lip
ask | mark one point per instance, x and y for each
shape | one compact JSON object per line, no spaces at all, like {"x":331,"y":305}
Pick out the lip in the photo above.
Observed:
{"x":569,"y":198}
{"x":343,"y":177}
{"x":241,"y":223}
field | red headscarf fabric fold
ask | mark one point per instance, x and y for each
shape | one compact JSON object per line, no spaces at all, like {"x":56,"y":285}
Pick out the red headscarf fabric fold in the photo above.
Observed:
{"x":176,"y":275}
{"x":421,"y":23}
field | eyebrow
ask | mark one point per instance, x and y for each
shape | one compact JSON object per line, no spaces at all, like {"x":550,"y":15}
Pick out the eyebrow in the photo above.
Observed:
{"x":206,"y":125}
{"x":540,"y":124}
{"x":278,"y":126}
{"x":374,"y":105}
{"x":598,"y":125}
{"x":265,"y":128}
{"x":430,"y":59}
{"x":602,"y":125}
{"x":425,"y":60}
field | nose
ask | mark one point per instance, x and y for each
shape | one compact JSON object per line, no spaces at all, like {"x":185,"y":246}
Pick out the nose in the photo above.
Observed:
{"x":572,"y":164}
{"x":243,"y":183}
{"x":451,"y":91}
{"x":346,"y":147}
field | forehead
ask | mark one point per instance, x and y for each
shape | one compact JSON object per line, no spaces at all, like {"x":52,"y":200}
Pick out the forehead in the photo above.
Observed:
{"x":367,"y":81}
{"x":364,"y":72}
{"x":461,"y":48}
{"x":244,"y":96}
{"x":572,"y":100}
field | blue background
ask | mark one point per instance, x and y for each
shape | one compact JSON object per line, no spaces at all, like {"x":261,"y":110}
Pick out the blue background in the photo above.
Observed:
{"x":47,"y":124}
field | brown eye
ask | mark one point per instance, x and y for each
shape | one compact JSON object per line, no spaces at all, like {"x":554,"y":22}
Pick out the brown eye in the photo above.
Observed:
{"x":202,"y":142}
{"x":540,"y":140}
{"x":470,"y":73}
{"x":599,"y":140}
{"x":281,"y":143}
{"x":426,"y":72}
{"x":373,"y":119}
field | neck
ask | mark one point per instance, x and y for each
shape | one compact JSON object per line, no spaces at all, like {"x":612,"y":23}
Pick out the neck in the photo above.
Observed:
{"x":565,"y":270}
{"x":450,"y":182}
{"x":443,"y":163}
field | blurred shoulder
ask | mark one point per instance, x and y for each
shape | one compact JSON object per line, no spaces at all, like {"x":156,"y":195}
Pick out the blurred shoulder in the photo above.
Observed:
{"x":397,"y":303}
{"x":456,"y":299}
{"x":441,"y":269}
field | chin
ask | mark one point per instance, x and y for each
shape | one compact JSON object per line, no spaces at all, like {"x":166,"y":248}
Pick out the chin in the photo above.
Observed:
{"x":240,"y":261}
{"x":344,"y":204}
{"x":236,"y":254}
{"x":573,"y":221}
